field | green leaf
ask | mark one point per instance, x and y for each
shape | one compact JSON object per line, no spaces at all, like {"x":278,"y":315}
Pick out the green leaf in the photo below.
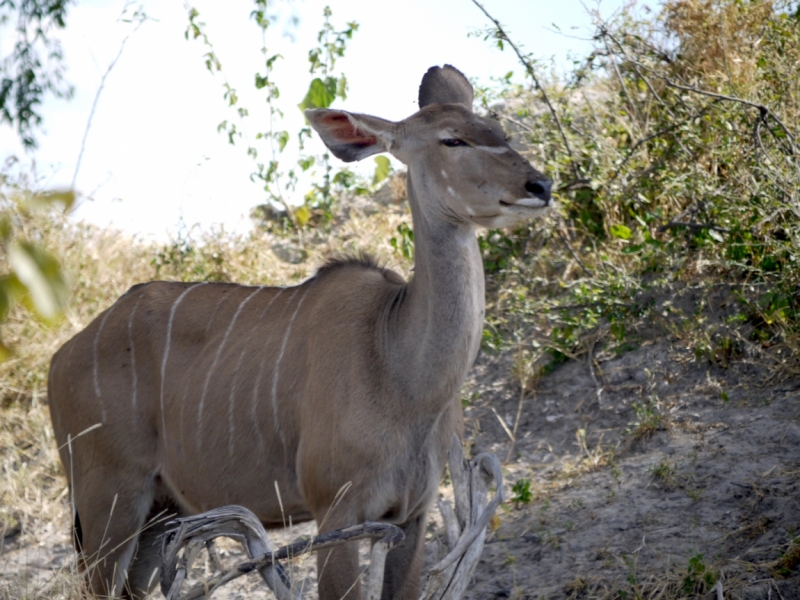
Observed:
{"x":302,"y":215}
{"x":621,"y":232}
{"x":5,"y":228}
{"x":382,"y":169}
{"x":319,"y":94}
{"x":283,"y":139}
{"x":39,"y":272}
{"x":341,"y":87}
{"x":7,"y":293}
{"x":64,"y":198}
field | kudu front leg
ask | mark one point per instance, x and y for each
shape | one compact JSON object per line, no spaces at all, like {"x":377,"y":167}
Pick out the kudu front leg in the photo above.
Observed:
{"x":403,"y":575}
{"x":338,"y":571}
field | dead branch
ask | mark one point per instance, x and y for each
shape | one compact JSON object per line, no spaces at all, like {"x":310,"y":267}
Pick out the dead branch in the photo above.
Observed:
{"x":709,"y":226}
{"x":529,"y":68}
{"x":139,"y":18}
{"x":764,"y":111}
{"x":448,"y":579}
{"x":240,"y":524}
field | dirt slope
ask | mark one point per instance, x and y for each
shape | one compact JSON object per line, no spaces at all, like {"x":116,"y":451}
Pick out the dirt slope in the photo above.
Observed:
{"x":706,"y":481}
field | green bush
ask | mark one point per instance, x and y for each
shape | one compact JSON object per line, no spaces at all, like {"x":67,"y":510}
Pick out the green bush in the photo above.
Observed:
{"x":673,"y":149}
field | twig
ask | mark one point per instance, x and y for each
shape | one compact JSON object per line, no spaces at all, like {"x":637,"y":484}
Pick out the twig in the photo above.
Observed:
{"x":503,"y":424}
{"x":575,"y":184}
{"x":598,"y":387}
{"x":606,"y":34}
{"x":655,"y":135}
{"x":529,"y":67}
{"x":563,"y":238}
{"x":709,"y":226}
{"x":631,"y":106}
{"x":519,"y":124}
{"x":141,"y":18}
{"x":763,"y":110}
{"x":516,"y":423}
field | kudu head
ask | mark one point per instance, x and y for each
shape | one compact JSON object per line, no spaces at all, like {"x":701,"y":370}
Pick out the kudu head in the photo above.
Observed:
{"x":464,"y":164}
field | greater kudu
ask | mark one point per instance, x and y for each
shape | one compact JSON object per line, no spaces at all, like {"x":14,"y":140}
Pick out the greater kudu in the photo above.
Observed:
{"x":210,"y":394}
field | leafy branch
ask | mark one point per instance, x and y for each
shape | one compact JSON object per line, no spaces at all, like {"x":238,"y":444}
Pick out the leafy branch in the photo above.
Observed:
{"x":34,"y":66}
{"x":325,"y":88}
{"x":32,"y":277}
{"x":503,"y":37}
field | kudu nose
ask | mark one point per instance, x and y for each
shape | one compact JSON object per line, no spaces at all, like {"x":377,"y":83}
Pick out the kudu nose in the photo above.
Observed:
{"x":539,"y":188}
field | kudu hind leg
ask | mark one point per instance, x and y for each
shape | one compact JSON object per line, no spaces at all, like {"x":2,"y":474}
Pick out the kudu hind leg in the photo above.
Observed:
{"x":403,"y":575}
{"x":111,"y":518}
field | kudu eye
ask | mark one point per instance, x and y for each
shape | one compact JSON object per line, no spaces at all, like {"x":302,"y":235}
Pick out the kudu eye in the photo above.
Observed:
{"x":453,"y":142}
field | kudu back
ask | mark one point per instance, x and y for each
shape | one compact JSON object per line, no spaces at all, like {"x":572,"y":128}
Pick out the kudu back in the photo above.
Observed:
{"x":182,"y":397}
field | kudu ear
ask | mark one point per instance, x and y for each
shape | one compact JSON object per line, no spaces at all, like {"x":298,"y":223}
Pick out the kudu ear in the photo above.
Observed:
{"x":351,"y":136}
{"x":445,"y":85}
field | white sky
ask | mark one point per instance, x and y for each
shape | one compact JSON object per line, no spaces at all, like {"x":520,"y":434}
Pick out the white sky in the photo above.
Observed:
{"x":153,"y":154}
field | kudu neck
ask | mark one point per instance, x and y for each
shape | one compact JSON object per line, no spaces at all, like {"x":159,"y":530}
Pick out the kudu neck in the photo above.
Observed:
{"x":436,"y":329}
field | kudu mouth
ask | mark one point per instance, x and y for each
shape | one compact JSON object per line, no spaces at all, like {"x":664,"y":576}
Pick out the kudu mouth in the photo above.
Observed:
{"x":540,"y":195}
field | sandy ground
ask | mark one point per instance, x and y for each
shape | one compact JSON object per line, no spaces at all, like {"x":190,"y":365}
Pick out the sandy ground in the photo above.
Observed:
{"x":684,"y":483}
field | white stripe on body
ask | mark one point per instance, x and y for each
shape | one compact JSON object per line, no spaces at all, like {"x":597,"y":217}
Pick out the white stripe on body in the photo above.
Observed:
{"x":261,"y":368}
{"x":95,"y":376}
{"x":222,"y":299}
{"x":278,"y":365}
{"x":186,"y":388}
{"x":133,"y":351}
{"x":230,"y":401}
{"x":166,"y":354}
{"x":242,"y":304}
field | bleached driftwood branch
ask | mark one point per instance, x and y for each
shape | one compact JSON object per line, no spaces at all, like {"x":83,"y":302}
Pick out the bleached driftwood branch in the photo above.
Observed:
{"x":236,"y":522}
{"x":465,"y":527}
{"x":465,"y":530}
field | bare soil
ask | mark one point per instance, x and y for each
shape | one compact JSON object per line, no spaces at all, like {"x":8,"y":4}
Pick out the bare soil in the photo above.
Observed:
{"x":652,"y":473}
{"x":717,"y":481}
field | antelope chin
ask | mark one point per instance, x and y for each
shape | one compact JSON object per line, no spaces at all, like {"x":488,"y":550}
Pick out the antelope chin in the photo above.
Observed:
{"x":513,"y":212}
{"x":508,"y":219}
